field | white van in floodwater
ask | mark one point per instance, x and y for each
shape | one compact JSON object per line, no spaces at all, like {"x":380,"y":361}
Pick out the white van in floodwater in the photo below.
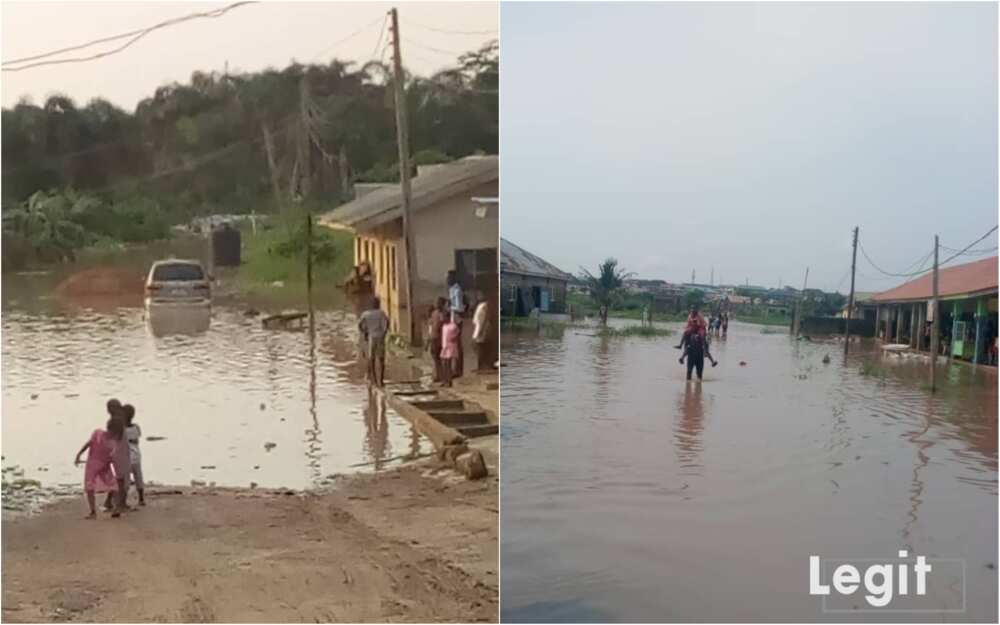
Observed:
{"x":178,"y":282}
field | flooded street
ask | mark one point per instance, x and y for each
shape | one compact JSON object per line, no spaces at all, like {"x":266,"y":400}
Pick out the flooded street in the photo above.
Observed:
{"x":629,"y":495}
{"x":218,"y":400}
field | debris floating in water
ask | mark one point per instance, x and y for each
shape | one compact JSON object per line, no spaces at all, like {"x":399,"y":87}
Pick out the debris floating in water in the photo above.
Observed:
{"x":155,"y":438}
{"x":743,"y":363}
{"x":270,"y":446}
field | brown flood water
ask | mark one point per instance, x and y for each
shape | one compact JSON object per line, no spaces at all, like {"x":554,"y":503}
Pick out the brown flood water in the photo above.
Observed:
{"x":216,"y":389}
{"x":630,"y":495}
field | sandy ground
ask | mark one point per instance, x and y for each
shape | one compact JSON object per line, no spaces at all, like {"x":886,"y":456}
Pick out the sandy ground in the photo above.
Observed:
{"x":414,"y":544}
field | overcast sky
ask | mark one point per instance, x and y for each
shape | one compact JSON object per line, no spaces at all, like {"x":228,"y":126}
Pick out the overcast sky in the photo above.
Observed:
{"x":748,"y":137}
{"x":251,"y":37}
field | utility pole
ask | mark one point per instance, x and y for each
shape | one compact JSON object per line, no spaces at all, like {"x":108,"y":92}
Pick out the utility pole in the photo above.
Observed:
{"x":798,"y":306}
{"x":850,"y":299}
{"x":403,"y":140}
{"x":305,"y":141}
{"x":711,"y":279}
{"x":309,"y":273}
{"x":935,"y":324}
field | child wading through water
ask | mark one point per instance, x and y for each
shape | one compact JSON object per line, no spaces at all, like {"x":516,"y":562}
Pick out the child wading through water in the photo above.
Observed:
{"x":132,"y":435}
{"x":374,"y":325}
{"x":98,"y":476}
{"x":695,"y":328}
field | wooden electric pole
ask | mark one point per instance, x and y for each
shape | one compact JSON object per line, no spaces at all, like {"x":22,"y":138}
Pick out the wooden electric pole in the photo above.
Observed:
{"x":403,"y":140}
{"x":935,"y":323}
{"x":850,"y":299}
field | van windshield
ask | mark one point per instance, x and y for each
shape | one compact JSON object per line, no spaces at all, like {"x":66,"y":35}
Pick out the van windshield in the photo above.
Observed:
{"x":178,"y":272}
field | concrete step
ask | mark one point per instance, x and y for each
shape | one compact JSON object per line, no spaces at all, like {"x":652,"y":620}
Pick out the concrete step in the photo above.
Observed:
{"x":473,"y":431}
{"x":459,"y":417}
{"x":439,"y":404}
{"x":413,"y":392}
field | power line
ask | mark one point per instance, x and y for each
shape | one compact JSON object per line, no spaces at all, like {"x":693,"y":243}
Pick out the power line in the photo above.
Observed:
{"x":447,"y":31}
{"x":381,"y":34}
{"x":966,"y":248}
{"x":432,"y":48}
{"x":891,"y":274}
{"x":135,"y":35}
{"x":984,"y":250}
{"x":841,"y":283}
{"x":349,"y":37}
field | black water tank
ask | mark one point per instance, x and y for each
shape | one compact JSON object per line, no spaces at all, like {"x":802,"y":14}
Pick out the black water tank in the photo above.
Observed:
{"x":226,"y":246}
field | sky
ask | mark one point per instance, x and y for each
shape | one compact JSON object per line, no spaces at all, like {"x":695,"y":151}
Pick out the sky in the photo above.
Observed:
{"x":748,"y":140}
{"x":252,"y":37}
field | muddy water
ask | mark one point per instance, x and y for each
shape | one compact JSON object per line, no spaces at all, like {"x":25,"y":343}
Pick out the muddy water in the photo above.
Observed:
{"x":629,"y":495}
{"x":225,"y":400}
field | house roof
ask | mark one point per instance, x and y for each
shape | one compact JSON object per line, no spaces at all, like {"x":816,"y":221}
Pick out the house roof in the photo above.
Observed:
{"x":432,"y":185}
{"x":968,"y":279}
{"x":514,"y":259}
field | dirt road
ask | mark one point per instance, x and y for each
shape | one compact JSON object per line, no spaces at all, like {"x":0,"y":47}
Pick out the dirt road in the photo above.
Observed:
{"x":408,"y":545}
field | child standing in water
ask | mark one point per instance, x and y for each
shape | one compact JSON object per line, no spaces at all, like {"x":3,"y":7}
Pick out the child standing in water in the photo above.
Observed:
{"x":132,"y":434}
{"x":97,"y":476}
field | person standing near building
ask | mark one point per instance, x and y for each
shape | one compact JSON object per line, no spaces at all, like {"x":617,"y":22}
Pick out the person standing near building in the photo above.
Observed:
{"x":438,"y":317}
{"x":456,"y":305}
{"x":480,"y":332}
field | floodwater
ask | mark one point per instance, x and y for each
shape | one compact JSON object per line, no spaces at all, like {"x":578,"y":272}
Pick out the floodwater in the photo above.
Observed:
{"x":631,"y":495}
{"x":218,"y":398}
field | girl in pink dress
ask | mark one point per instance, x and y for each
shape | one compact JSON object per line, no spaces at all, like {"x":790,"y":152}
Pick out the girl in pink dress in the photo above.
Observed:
{"x":450,"y":335}
{"x":98,"y":476}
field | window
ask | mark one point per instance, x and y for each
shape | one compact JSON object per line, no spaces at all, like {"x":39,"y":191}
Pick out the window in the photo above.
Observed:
{"x":477,"y":269}
{"x":178,"y":272}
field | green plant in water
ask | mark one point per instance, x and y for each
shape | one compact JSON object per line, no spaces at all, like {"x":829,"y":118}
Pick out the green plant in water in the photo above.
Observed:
{"x":871,"y":369}
{"x":641,"y":331}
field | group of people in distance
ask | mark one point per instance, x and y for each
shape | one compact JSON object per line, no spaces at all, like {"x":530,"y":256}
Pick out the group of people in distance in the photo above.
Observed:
{"x":695,"y":339}
{"x":113,"y":460}
{"x":443,"y":331}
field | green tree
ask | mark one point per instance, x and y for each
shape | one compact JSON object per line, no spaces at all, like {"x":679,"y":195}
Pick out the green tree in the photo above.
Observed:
{"x":605,"y":288}
{"x":248,"y":141}
{"x":694,"y":297}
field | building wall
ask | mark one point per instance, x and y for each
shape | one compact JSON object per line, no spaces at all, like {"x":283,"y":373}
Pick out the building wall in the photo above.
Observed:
{"x":383,"y":249}
{"x":438,"y":231}
{"x":510,"y":282}
{"x":451,"y":225}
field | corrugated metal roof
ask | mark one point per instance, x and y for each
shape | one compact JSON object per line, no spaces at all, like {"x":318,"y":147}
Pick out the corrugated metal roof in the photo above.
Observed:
{"x":433,"y":185}
{"x":971,"y":278}
{"x":514,"y":259}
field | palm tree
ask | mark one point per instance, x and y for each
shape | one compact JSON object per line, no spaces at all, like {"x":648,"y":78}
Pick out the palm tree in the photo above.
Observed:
{"x":606,"y":286}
